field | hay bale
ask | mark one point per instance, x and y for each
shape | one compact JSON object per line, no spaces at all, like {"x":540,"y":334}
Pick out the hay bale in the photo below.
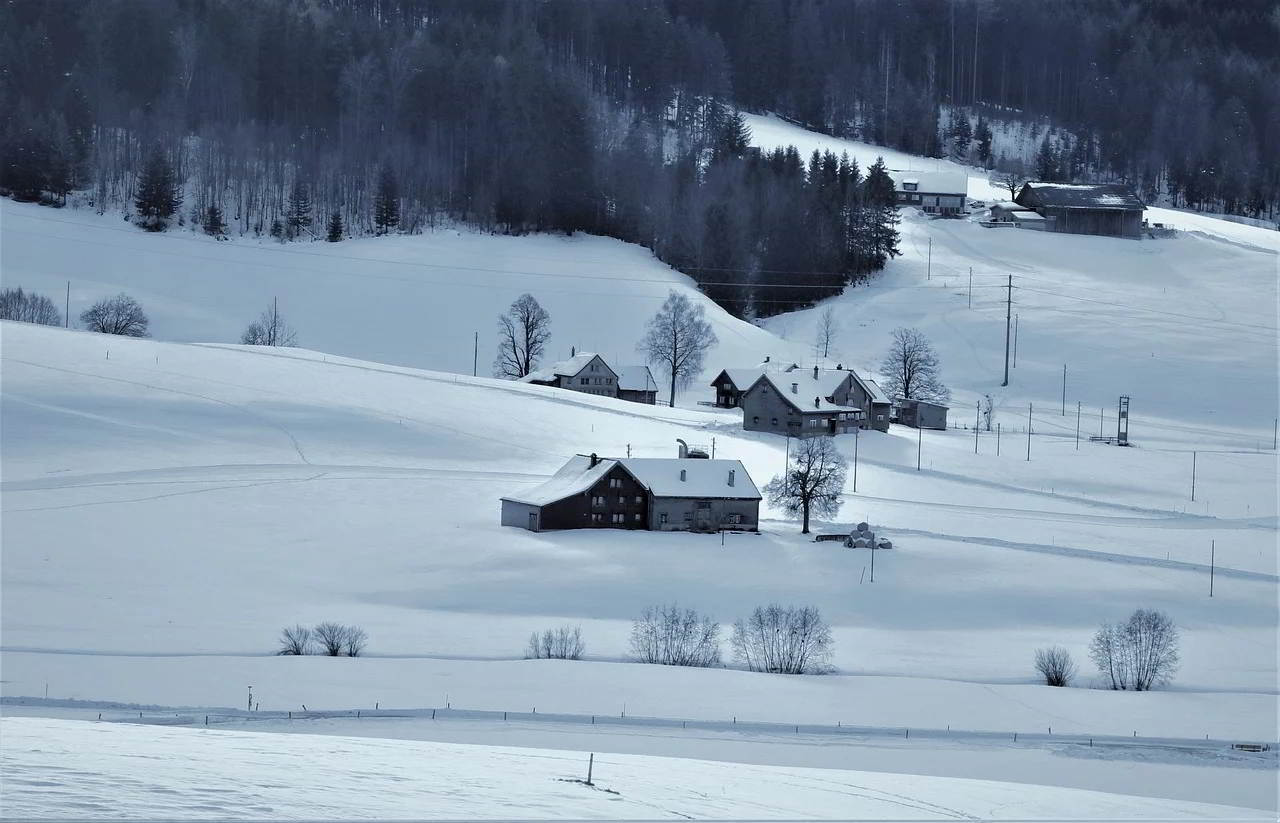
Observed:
{"x":884,"y":544}
{"x":862,"y":527}
{"x":860,"y":543}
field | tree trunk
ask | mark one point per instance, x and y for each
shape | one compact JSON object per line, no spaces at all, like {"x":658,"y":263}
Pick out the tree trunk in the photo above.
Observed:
{"x":805,"y":506}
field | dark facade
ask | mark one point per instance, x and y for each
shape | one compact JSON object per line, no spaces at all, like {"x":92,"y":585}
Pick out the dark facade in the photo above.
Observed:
{"x":615,"y":501}
{"x":1107,"y":209}
{"x":922,"y":414}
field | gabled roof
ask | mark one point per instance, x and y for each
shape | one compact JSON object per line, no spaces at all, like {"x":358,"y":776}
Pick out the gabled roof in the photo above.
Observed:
{"x":570,"y":367}
{"x":1078,"y":196}
{"x":741,"y":378}
{"x":809,"y":389}
{"x":932,"y":182}
{"x":636,"y":378}
{"x":916,"y":401}
{"x":661,"y":476}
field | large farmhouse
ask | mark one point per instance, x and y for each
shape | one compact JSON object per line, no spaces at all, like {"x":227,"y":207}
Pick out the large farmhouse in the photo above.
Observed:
{"x":934,"y":192}
{"x":805,"y":403}
{"x":587,"y":372}
{"x":657,"y":494}
{"x":1110,"y":209}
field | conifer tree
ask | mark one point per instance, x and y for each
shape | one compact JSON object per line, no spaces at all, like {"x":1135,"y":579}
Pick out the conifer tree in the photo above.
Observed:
{"x":386,"y":205}
{"x":983,"y":137}
{"x":335,"y":228}
{"x":1047,"y":162}
{"x":299,"y":216}
{"x":882,"y":215}
{"x":214,"y":224}
{"x":158,"y":196}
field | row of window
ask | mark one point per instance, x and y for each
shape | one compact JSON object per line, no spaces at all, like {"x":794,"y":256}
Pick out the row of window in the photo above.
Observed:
{"x":616,"y":519}
{"x":601,"y":500}
{"x":595,"y":381}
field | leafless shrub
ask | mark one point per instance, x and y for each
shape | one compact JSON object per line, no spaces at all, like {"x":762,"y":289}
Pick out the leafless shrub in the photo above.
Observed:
{"x":29,"y":307}
{"x":332,"y":638}
{"x":116,"y":315}
{"x":295,"y":640}
{"x":1140,"y":653}
{"x":673,"y":636}
{"x":564,"y":643}
{"x":784,"y":640}
{"x":1056,"y":666}
{"x":270,"y":329}
{"x":356,"y":640}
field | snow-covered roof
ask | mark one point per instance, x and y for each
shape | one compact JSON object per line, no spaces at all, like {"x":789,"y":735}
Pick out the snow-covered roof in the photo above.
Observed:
{"x":1026,"y":215}
{"x":702,"y":478}
{"x":809,"y":389}
{"x":636,"y":378}
{"x":661,"y":476}
{"x":574,"y":477}
{"x":873,"y":390}
{"x":742,"y":378}
{"x":563,"y":368}
{"x":915,"y":401}
{"x":932,"y":182}
{"x":1078,"y":196}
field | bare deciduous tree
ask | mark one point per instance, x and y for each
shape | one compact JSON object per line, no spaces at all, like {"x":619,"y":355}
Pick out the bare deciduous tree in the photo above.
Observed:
{"x":675,"y":637}
{"x":988,"y":411}
{"x":355,"y":642}
{"x":1139,"y":654}
{"x":814,"y":481}
{"x":1056,"y":666}
{"x":1008,"y":180}
{"x":295,"y":640}
{"x":784,"y":640}
{"x":564,"y":643}
{"x":523,"y":333}
{"x":332,"y":638}
{"x":270,"y":329}
{"x":116,"y":315}
{"x":911,"y":368}
{"x":678,"y":339}
{"x":828,"y":328}
{"x":29,"y":307}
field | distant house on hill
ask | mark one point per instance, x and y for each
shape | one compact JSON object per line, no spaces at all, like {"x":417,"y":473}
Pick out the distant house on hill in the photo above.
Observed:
{"x":636,"y":383}
{"x":806,"y":403}
{"x":1109,"y":209}
{"x":921,"y":414}
{"x":655,"y":494}
{"x":588,"y":373}
{"x":731,"y":383}
{"x":934,"y":192}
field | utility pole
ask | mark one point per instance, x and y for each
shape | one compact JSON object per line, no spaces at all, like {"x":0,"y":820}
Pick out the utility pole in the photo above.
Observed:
{"x":475,"y":356}
{"x":1212,"y":551}
{"x":1028,"y":431}
{"x":997,"y":440}
{"x":1193,"y":477}
{"x":66,"y":320}
{"x":971,"y":287}
{"x":873,"y":561}
{"x":977,"y":413}
{"x":1064,"y":389}
{"x":250,"y":699}
{"x":713,"y":448}
{"x":786,"y":467}
{"x":1015,"y":341}
{"x":919,"y":444}
{"x":1008,"y":308}
{"x":1077,"y":425}
{"x":1102,"y":419}
{"x":1275,"y":434}
{"x":929,"y":266}
{"x":855,"y":459}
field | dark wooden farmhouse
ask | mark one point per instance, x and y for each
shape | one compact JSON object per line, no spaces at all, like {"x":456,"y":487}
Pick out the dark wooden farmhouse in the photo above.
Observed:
{"x":656,"y":494}
{"x":921,"y":414}
{"x":587,"y":372}
{"x":731,"y":383}
{"x":809,"y":402}
{"x":1110,"y":209}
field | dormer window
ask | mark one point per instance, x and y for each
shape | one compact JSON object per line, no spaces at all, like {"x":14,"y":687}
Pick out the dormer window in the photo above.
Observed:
{"x":910,"y":186}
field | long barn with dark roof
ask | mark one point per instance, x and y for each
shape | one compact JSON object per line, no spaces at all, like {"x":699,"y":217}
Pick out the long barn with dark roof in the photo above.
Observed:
{"x":1110,"y":209}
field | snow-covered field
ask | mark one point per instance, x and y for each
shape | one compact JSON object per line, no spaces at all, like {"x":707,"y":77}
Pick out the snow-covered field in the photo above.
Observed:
{"x":52,"y":766}
{"x":168,"y":507}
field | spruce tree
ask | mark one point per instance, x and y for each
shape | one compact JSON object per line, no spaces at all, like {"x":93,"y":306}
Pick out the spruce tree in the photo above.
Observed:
{"x":299,"y":216}
{"x":1047,"y":162}
{"x":961,"y":136}
{"x":335,"y":228}
{"x":983,"y":137}
{"x":214,"y":224}
{"x":881,"y":216}
{"x":158,"y":198}
{"x":386,"y":205}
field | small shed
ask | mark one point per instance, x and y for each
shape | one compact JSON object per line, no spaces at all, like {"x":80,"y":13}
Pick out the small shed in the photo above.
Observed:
{"x":636,"y":383}
{"x":921,"y":414}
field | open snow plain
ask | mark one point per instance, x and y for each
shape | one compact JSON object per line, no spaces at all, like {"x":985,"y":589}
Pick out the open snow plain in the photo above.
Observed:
{"x":167,"y":509}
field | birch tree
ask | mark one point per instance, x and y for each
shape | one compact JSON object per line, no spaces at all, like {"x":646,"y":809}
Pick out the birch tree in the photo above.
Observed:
{"x":678,"y":340}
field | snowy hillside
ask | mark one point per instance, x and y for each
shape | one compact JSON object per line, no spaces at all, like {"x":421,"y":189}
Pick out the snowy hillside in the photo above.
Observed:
{"x":412,"y":300}
{"x":238,"y":776}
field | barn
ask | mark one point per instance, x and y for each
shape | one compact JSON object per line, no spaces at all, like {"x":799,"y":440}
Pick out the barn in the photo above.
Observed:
{"x":1109,"y":209}
{"x":655,"y":494}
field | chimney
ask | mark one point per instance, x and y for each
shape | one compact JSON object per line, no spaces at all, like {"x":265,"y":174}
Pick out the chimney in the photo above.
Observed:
{"x":815,"y":372}
{"x":683,"y":474}
{"x":595,"y":461}
{"x":573,"y":351}
{"x":730,"y":477}
{"x":766,"y":358}
{"x":839,"y":367}
{"x":795,"y":388}
{"x":817,"y":402}
{"x":684,"y":448}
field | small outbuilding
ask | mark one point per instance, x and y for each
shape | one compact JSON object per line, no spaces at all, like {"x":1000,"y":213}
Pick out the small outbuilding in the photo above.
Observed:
{"x":921,"y":414}
{"x":636,"y":383}
{"x":1110,"y":209}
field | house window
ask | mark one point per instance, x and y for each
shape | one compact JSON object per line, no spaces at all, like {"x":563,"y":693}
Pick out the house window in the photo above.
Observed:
{"x":662,"y":518}
{"x":618,"y":518}
{"x":615,"y":482}
{"x":596,"y":518}
{"x":755,"y":421}
{"x":622,"y":501}
{"x":638,"y":518}
{"x":879,"y":417}
{"x":775,"y":421}
{"x":688,"y":516}
{"x":639,"y":500}
{"x":597,"y":501}
{"x":584,"y":381}
{"x":910,"y":186}
{"x":733,"y":519}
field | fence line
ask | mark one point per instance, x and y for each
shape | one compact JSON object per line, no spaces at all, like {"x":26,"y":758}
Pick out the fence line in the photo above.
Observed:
{"x":734,"y":724}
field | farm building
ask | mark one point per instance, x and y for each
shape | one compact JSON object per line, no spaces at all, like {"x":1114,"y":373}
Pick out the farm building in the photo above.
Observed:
{"x":636,"y":383}
{"x":921,"y":414}
{"x":934,"y":192}
{"x":1018,"y":216}
{"x":1110,"y":209}
{"x":731,"y":383}
{"x":588,"y":373}
{"x":655,"y":494}
{"x":803,"y":403}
